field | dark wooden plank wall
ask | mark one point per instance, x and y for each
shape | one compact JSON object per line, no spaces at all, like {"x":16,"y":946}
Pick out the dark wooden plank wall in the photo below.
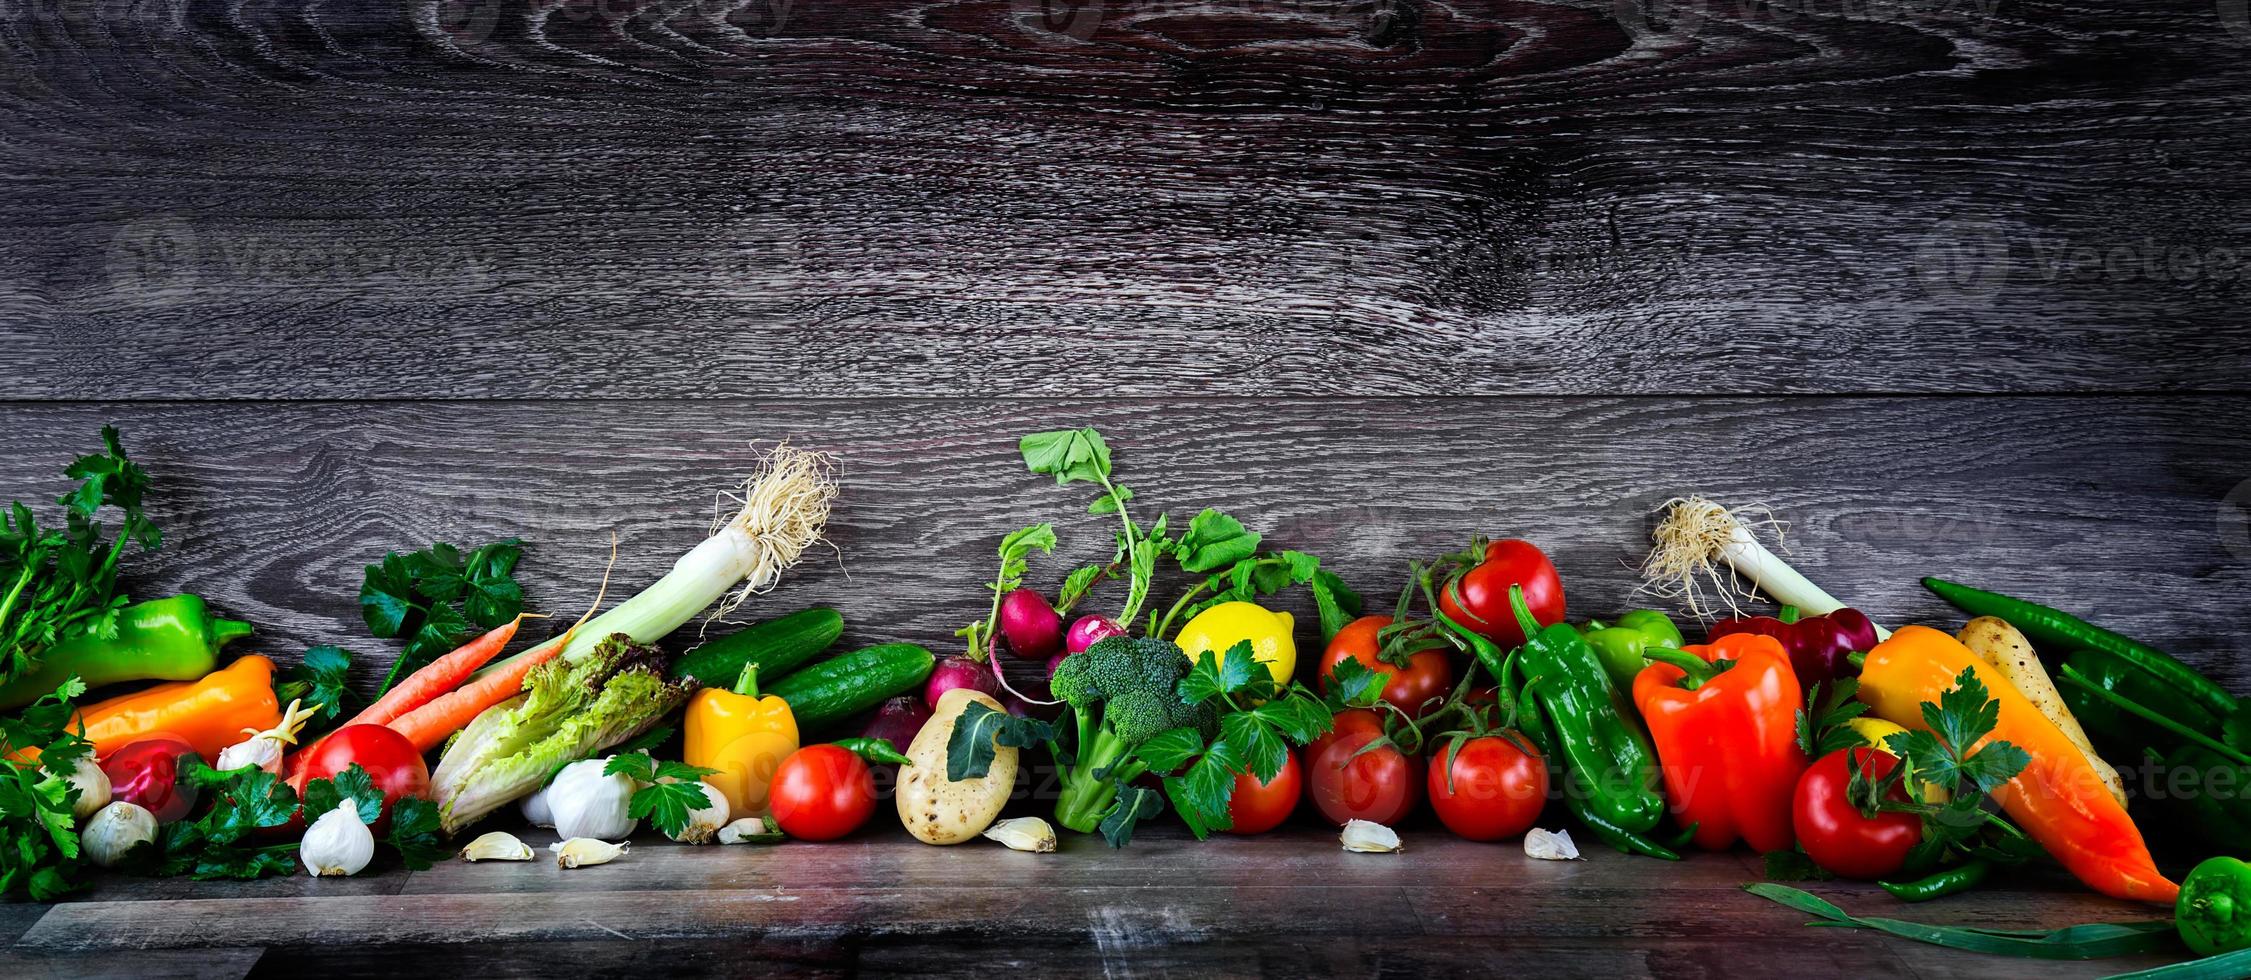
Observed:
{"x":1954,"y":286}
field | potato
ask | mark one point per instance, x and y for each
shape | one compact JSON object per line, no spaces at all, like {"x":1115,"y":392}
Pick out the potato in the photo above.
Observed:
{"x":937,"y":810}
{"x":1999,"y":644}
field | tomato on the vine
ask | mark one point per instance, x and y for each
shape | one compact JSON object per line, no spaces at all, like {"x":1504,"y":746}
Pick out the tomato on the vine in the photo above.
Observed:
{"x":1490,"y":789}
{"x":822,"y":792}
{"x":1415,"y":688}
{"x":1257,"y":807}
{"x":1382,"y":784}
{"x":1482,"y":603}
{"x":1836,"y":835}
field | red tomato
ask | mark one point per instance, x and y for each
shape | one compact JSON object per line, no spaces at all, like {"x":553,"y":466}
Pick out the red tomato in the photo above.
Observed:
{"x":822,"y":792}
{"x":1259,"y":807}
{"x":1414,"y":688}
{"x":1491,"y":790}
{"x":390,"y":760}
{"x":1382,"y":784}
{"x":1836,"y":835}
{"x":1483,"y":604}
{"x":147,"y":772}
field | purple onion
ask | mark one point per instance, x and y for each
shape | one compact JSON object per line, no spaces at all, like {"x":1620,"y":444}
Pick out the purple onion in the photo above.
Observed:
{"x":1033,"y":628}
{"x":899,"y":719}
{"x":1086,"y":631}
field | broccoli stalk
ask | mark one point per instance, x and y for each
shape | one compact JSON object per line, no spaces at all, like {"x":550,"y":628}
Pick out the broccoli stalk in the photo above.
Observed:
{"x":1122,"y":692}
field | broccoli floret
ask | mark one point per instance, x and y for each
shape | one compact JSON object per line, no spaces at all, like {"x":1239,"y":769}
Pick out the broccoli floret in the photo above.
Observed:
{"x":1122,"y":692}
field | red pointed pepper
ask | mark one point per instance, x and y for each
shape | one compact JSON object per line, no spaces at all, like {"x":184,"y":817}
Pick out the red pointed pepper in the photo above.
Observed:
{"x":1724,"y":719}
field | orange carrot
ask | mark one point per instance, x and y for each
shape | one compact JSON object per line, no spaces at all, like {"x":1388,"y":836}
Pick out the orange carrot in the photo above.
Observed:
{"x":430,"y":724}
{"x":438,"y":676}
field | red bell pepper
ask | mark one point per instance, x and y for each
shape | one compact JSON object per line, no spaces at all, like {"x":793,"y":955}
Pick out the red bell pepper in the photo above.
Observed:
{"x":1819,"y":645}
{"x":1724,"y":719}
{"x":1478,"y":598}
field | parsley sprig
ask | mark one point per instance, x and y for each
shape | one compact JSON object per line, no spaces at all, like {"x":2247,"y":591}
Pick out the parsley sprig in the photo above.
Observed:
{"x":668,"y":790}
{"x":1258,"y":721}
{"x":59,"y":583}
{"x":1953,"y":753}
{"x":438,"y":598}
{"x":42,"y":852}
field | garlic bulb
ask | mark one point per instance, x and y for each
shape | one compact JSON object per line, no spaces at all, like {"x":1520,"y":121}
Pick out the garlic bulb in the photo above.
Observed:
{"x":749,"y":830}
{"x":264,"y":749}
{"x":499,"y":845}
{"x":586,"y":802}
{"x":1369,"y":837}
{"x":536,"y":811}
{"x":582,"y":852}
{"x":704,"y":822}
{"x":1024,"y":834}
{"x":338,"y":843}
{"x":93,"y":788}
{"x":116,"y":829}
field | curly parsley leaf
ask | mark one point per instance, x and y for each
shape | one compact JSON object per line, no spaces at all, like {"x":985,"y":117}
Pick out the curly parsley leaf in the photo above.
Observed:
{"x":1353,"y":685}
{"x":322,"y":679}
{"x":668,"y":790}
{"x":1230,"y":674}
{"x":414,"y":833}
{"x":214,"y":845}
{"x":354,"y":784}
{"x":439,"y":598}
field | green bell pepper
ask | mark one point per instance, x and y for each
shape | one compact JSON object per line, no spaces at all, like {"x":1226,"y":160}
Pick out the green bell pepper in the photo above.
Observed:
{"x":2214,"y":911}
{"x":1594,"y":732}
{"x":1620,"y":644}
{"x":171,"y":639}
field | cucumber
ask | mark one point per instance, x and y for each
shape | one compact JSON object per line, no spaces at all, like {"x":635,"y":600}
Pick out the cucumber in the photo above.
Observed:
{"x":778,"y":645}
{"x":840,"y":687}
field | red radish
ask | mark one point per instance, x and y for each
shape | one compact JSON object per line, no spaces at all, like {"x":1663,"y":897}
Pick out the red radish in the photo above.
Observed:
{"x":958,"y":671}
{"x":1033,"y":628}
{"x":147,"y":772}
{"x":1086,"y":631}
{"x":899,"y":719}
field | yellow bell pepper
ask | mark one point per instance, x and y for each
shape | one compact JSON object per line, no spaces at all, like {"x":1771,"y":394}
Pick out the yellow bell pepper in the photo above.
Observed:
{"x":742,"y":735}
{"x":1219,"y":628}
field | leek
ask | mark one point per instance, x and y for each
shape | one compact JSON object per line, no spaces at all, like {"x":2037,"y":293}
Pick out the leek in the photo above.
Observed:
{"x":1697,"y":535}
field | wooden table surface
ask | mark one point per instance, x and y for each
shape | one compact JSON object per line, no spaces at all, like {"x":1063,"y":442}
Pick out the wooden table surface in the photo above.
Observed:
{"x":1956,"y":287}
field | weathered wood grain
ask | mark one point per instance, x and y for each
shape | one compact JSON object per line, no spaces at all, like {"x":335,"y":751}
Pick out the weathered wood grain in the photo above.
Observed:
{"x":1143,"y":910}
{"x":2117,"y":508}
{"x":491,"y":199}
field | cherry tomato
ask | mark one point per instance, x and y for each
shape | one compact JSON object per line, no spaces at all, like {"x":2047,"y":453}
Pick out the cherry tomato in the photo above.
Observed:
{"x":1490,"y":790}
{"x":1483,"y":605}
{"x":1416,"y":688}
{"x":1836,"y":835}
{"x":1259,"y":807}
{"x":1344,"y":783}
{"x":390,"y":760}
{"x":822,"y":792}
{"x":147,"y":772}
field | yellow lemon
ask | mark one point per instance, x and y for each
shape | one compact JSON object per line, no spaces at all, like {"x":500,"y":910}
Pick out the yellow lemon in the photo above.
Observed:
{"x":1874,"y":731}
{"x":1219,"y":628}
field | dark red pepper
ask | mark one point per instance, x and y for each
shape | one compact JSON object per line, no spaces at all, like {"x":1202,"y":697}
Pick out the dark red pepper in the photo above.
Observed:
{"x":1818,"y":645}
{"x":147,"y":772}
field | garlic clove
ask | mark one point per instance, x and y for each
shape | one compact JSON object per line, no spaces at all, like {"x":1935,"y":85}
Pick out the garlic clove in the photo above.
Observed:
{"x":1369,"y":837}
{"x":583,"y":852}
{"x":338,"y":843}
{"x":704,"y":822}
{"x":1024,"y":834}
{"x":497,"y":846}
{"x":115,"y":830}
{"x":1550,"y":846}
{"x":749,"y":830}
{"x":92,"y":785}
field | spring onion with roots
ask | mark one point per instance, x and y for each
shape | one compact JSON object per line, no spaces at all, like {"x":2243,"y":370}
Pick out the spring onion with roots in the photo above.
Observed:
{"x":1697,"y":535}
{"x":599,"y":684}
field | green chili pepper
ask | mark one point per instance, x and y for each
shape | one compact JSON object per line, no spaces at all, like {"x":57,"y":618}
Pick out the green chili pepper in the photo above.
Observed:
{"x":171,"y":639}
{"x":1595,"y":735}
{"x":1952,"y":881}
{"x":2204,"y":794}
{"x":1619,"y":644}
{"x":2057,"y":631}
{"x":2121,"y":731}
{"x":1532,"y":721}
{"x":2214,"y":911}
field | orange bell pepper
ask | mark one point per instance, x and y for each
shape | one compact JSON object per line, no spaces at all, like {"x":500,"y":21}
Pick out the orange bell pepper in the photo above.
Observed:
{"x":2058,"y":799}
{"x":209,"y":714}
{"x":1727,"y":740}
